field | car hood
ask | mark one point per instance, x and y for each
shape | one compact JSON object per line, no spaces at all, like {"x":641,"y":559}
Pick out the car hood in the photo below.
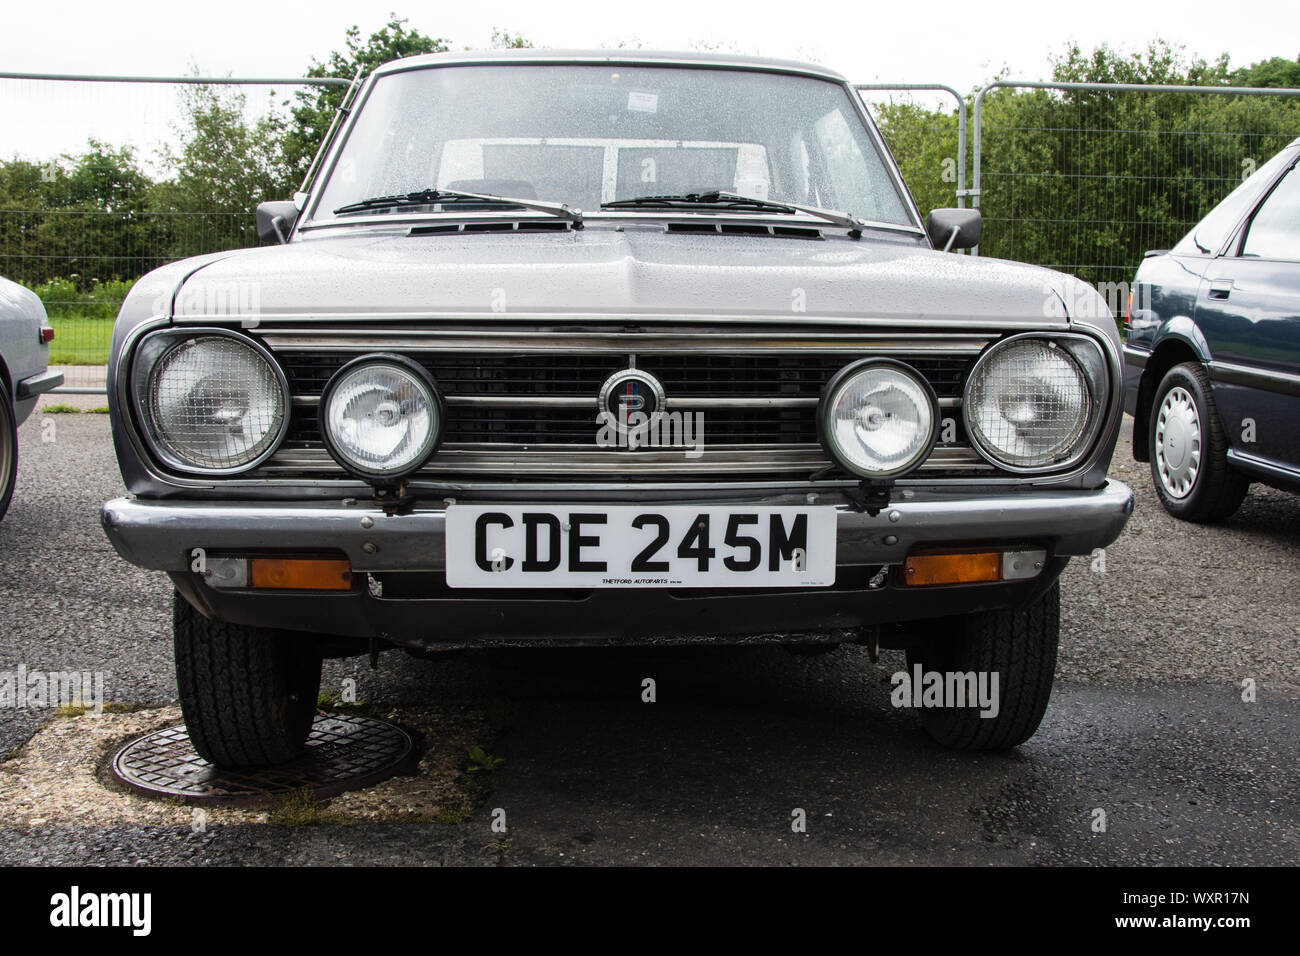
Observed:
{"x":636,"y":271}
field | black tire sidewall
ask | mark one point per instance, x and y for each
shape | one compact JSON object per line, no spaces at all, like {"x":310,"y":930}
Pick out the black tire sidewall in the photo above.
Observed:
{"x":8,"y":434}
{"x":1217,"y":489}
{"x":1021,"y":645}
{"x":248,"y":695}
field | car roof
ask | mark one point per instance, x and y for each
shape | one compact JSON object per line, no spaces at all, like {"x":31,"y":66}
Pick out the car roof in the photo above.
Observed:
{"x":629,"y":57}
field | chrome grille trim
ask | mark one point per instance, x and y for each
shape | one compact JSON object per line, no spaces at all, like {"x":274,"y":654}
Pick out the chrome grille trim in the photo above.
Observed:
{"x":921,"y":323}
{"x":488,"y":459}
{"x":325,"y":339}
{"x":491,"y":401}
{"x":493,"y":388}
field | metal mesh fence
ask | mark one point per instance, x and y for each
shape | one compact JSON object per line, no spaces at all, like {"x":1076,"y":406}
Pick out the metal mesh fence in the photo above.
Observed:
{"x":1085,"y":180}
{"x":1081,"y":179}
{"x":93,"y":192}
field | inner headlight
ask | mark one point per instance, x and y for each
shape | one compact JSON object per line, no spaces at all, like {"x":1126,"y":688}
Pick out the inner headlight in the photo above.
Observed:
{"x":381,"y":416}
{"x":214,"y":403}
{"x":878,"y":418}
{"x":1030,"y":403}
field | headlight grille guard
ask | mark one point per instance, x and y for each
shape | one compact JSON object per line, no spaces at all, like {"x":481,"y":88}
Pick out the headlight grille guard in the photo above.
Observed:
{"x":1092,"y":357}
{"x":149,"y":349}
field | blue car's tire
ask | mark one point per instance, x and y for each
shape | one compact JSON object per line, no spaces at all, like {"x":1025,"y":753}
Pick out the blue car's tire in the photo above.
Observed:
{"x":1189,"y":448}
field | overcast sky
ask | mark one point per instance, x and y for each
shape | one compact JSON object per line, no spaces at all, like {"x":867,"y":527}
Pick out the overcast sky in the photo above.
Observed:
{"x":961,"y":44}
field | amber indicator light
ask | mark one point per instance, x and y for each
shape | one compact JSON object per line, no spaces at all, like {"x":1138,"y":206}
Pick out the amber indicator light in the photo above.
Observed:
{"x":920,"y":570}
{"x":300,"y":574}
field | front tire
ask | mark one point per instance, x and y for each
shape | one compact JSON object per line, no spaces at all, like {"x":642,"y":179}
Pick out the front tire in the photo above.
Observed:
{"x":1189,"y":449}
{"x":248,"y":694}
{"x":1019,"y":645}
{"x":8,"y":451}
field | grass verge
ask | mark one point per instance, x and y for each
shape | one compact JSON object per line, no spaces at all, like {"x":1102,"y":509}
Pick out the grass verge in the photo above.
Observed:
{"x":80,"y":340}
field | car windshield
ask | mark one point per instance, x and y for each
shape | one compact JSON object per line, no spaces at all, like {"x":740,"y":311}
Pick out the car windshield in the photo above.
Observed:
{"x":587,"y":135}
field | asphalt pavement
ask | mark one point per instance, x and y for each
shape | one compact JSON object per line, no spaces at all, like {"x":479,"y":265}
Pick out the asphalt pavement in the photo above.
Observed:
{"x":1148,"y":730}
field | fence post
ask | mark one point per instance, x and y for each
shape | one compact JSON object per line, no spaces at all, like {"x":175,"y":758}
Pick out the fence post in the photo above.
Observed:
{"x":961,"y":123}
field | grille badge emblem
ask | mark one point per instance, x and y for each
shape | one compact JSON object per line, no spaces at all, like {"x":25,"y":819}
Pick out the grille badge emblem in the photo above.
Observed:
{"x":631,"y":392}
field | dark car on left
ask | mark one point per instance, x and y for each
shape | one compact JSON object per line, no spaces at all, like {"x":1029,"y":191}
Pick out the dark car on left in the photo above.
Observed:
{"x":1212,"y":352}
{"x":25,"y":337}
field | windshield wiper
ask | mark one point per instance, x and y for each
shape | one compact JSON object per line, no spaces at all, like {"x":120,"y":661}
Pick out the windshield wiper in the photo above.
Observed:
{"x":719,"y":199}
{"x":426,"y":197}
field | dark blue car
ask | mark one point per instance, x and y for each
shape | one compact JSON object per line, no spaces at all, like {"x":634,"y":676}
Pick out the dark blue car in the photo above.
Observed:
{"x":1212,"y":356}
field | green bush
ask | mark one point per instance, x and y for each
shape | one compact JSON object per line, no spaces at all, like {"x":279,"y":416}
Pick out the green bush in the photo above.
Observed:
{"x":63,"y":298}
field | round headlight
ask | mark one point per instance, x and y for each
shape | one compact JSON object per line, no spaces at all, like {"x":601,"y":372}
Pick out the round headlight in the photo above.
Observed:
{"x":214,"y":403}
{"x":878,"y":418}
{"x":381,"y":416}
{"x":1028,"y":404}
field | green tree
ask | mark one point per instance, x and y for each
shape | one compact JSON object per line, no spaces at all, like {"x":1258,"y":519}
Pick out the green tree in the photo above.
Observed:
{"x":1274,"y":73}
{"x":310,"y":118}
{"x":1158,"y":62}
{"x":505,"y":40}
{"x":224,"y":166}
{"x":1086,"y":181}
{"x":924,"y":144}
{"x":86,"y":217}
{"x":23,"y":210}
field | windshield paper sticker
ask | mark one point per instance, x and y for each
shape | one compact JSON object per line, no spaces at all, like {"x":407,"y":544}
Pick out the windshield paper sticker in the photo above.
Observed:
{"x":643,"y":102}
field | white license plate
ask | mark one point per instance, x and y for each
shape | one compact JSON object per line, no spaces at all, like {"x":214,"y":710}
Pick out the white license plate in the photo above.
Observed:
{"x":679,"y":546}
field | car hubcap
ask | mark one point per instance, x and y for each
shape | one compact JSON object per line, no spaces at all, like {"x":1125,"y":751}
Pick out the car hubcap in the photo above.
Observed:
{"x":1178,"y":443}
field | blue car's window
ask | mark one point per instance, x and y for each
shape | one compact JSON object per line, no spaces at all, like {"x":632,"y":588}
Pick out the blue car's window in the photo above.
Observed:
{"x":1209,"y":235}
{"x":1274,"y":232}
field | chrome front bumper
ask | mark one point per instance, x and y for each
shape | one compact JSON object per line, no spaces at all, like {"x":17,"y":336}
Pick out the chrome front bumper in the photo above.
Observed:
{"x":161,"y":535}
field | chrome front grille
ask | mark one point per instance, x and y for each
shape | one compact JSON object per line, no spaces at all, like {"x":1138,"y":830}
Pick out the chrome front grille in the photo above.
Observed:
{"x":526,"y":402}
{"x":550,"y":425}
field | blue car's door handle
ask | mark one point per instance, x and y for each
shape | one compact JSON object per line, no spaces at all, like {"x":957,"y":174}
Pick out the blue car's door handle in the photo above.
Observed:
{"x":1220,"y":288}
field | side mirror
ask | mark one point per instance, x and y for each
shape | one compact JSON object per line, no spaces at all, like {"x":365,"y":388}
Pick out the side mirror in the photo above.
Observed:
{"x":954,"y":228}
{"x":275,"y":220}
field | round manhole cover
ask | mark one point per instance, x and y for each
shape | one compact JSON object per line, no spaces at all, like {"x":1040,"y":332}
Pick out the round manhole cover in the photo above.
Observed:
{"x":344,"y":752}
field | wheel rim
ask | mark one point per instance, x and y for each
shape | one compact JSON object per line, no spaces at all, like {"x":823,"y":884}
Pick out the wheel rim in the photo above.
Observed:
{"x":7,"y":440}
{"x":1178,"y":443}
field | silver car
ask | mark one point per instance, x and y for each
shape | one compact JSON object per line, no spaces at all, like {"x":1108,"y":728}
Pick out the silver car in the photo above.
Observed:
{"x":25,"y":338}
{"x":610,"y":348}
